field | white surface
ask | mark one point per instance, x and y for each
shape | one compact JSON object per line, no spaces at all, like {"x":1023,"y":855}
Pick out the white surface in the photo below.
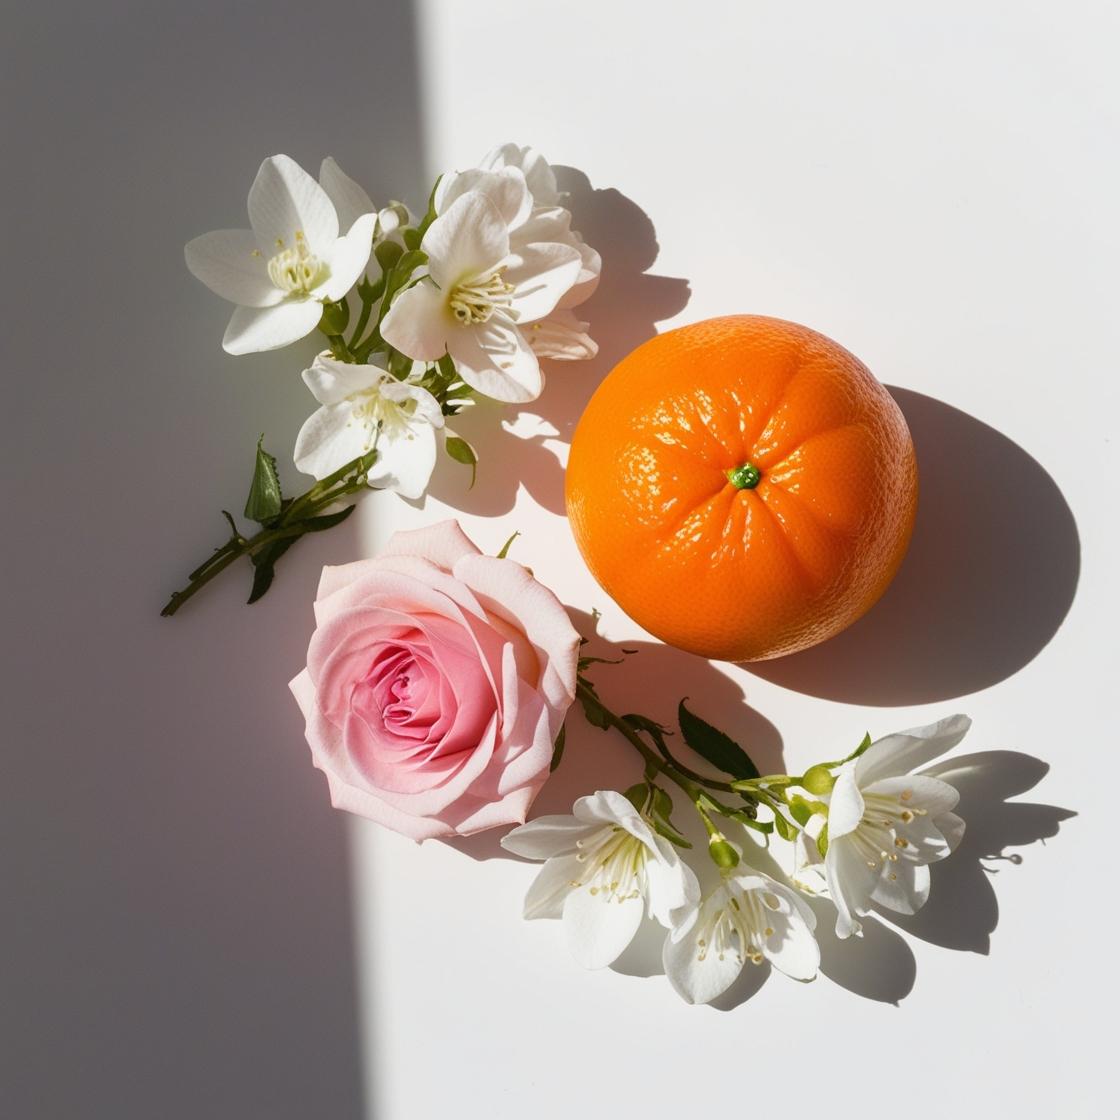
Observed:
{"x":936,"y":188}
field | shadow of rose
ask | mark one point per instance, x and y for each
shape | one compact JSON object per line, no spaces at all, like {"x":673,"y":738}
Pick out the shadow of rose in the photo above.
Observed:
{"x":623,"y":313}
{"x":649,"y":680}
{"x":990,"y":575}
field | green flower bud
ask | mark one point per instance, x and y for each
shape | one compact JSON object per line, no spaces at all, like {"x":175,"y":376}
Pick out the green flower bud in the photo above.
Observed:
{"x":818,"y":779}
{"x":723,"y":853}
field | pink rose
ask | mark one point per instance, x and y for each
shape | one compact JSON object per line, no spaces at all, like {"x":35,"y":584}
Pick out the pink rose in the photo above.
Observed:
{"x":436,"y":683}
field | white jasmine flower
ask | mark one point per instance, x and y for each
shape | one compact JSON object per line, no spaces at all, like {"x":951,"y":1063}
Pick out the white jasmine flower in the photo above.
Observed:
{"x":291,"y":261}
{"x":539,"y":175}
{"x":555,"y":224}
{"x":361,"y":403}
{"x":885,"y":825}
{"x":560,"y":335}
{"x":351,"y":201}
{"x":604,"y":866}
{"x":482,"y":293}
{"x":748,"y":917}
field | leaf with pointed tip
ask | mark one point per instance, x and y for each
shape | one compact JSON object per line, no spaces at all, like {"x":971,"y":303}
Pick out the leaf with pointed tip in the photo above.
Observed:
{"x":663,"y":828}
{"x":637,"y":795}
{"x":323,"y":521}
{"x":594,"y":711}
{"x":503,"y":552}
{"x":558,"y":748}
{"x":264,"y":566}
{"x":800,"y":810}
{"x":783,"y":828}
{"x":387,"y":253}
{"x":714,"y":746}
{"x":462,"y":452}
{"x":265,"y":500}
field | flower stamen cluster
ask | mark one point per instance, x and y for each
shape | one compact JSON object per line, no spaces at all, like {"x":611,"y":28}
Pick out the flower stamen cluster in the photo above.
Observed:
{"x":297,"y":270}
{"x":475,"y":299}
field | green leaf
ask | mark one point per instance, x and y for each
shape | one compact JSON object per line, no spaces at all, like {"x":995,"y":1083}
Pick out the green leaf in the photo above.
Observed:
{"x":664,"y":828}
{"x":369,"y":290}
{"x":864,"y":744}
{"x":324,"y":521}
{"x":388,"y":253}
{"x":822,"y":842}
{"x":662,"y":822}
{"x":264,"y":561}
{"x":264,"y":566}
{"x":783,"y":828}
{"x":558,"y":748}
{"x":462,"y":452}
{"x":714,"y":746}
{"x":595,"y":712}
{"x":759,"y":826}
{"x":265,"y":500}
{"x":503,"y":552}
{"x":430,"y":216}
{"x":585,"y":661}
{"x":406,"y":265}
{"x":662,"y":803}
{"x":412,"y":237}
{"x":800,"y":810}
{"x":637,"y":795}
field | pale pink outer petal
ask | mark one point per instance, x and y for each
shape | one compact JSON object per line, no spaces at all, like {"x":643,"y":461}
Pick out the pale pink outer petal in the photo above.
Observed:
{"x":442,"y":543}
{"x":509,"y":591}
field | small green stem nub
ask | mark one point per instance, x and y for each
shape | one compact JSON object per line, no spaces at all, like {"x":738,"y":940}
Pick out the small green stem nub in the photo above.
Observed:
{"x":746,"y":477}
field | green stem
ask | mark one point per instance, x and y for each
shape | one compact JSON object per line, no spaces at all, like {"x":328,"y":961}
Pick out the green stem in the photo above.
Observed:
{"x":710,"y":783}
{"x":652,"y":759}
{"x":360,"y":326}
{"x":348,"y":479}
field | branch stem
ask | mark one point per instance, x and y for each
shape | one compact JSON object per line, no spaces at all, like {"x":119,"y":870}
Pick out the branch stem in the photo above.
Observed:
{"x":290,"y":524}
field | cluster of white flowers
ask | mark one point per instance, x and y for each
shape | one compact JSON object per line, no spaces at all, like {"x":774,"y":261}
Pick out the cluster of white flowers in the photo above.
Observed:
{"x":464,"y":302}
{"x":871,"y":829}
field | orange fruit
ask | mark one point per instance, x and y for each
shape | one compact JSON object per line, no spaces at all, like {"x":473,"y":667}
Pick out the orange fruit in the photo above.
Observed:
{"x":743,"y":487}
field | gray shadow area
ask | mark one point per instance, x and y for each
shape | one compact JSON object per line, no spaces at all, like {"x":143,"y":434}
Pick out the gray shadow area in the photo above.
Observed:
{"x":990,"y":575}
{"x":178,"y":933}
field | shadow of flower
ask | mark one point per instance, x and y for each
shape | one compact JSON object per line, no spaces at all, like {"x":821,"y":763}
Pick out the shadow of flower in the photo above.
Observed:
{"x":962,"y":910}
{"x":623,"y":312}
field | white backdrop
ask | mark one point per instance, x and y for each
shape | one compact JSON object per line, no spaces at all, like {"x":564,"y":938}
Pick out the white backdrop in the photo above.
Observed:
{"x":936,"y":188}
{"x":188,"y":930}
